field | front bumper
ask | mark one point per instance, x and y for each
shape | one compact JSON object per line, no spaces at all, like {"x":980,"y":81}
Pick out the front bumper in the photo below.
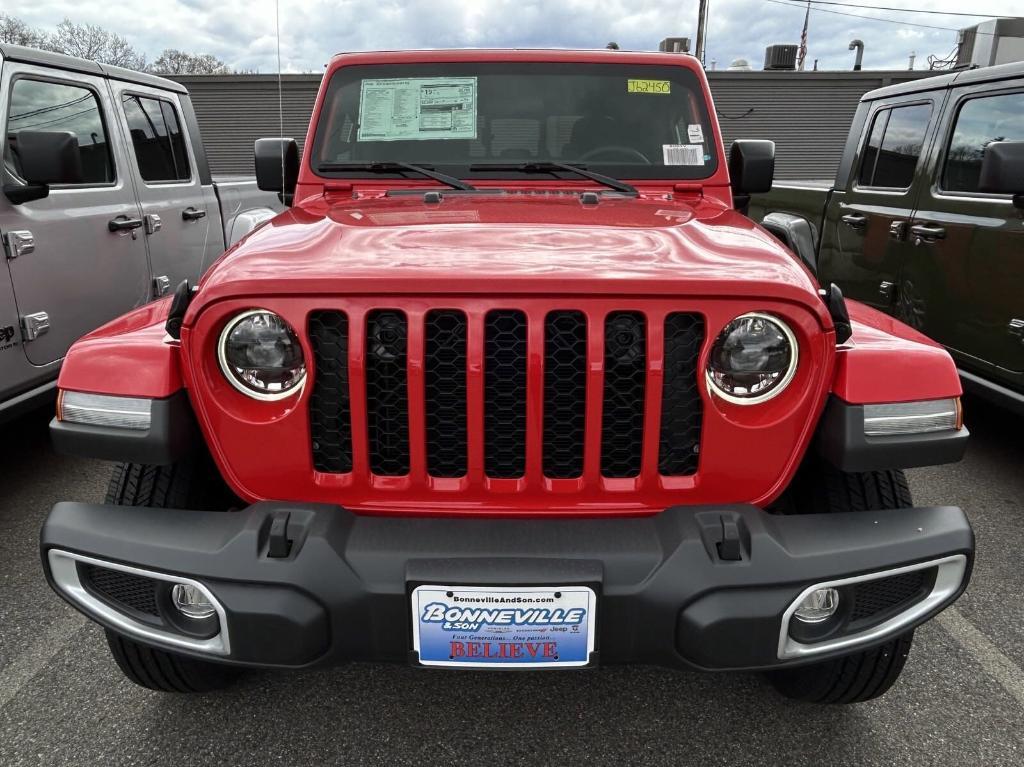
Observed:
{"x":705,"y":587}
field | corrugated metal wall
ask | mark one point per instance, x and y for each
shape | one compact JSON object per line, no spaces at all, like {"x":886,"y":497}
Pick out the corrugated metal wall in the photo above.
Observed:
{"x":807,"y":114}
{"x":235,"y":110}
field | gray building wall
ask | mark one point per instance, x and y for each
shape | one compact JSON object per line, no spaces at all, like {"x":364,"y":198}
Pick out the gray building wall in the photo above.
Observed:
{"x":806,"y":114}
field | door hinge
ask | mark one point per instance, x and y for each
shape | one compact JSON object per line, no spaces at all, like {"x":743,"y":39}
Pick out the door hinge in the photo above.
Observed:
{"x":161,"y":285}
{"x":898,"y":230}
{"x":34,"y":325}
{"x":19,"y":243}
{"x":1016,"y":328}
{"x":152,"y":222}
{"x":887,"y":291}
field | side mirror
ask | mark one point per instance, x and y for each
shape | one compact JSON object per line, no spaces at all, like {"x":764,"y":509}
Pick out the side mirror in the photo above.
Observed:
{"x":751,"y":166}
{"x":43,"y":158}
{"x":277,"y":166}
{"x":1002,"y":170}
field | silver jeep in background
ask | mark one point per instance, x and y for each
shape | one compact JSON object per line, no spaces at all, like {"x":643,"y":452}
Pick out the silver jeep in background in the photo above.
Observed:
{"x":107,"y":203}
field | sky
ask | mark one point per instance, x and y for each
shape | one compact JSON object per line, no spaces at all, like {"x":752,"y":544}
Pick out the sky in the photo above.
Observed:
{"x":242,"y":32}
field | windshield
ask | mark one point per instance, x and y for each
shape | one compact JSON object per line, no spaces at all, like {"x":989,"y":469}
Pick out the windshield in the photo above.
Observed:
{"x":626,"y":121}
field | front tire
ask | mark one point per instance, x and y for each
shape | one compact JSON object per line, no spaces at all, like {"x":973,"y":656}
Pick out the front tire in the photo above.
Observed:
{"x":851,"y":679}
{"x":820,"y":488}
{"x":192,"y":483}
{"x":164,"y":671}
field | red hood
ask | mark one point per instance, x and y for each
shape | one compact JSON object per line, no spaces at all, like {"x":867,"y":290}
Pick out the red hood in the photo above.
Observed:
{"x":512,"y":244}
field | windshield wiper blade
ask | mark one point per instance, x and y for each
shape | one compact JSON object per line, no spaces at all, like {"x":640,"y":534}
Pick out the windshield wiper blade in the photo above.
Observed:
{"x":391,"y":167}
{"x":550,"y":166}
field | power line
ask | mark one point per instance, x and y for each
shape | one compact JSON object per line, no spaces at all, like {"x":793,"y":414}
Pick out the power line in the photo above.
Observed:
{"x":901,"y":22}
{"x":903,"y":10}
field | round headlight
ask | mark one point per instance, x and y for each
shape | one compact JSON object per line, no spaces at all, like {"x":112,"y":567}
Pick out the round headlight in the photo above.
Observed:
{"x":753,"y":359}
{"x":261,"y":355}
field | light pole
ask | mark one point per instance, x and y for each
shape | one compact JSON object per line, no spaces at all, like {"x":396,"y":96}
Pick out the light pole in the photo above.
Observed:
{"x":702,"y":29}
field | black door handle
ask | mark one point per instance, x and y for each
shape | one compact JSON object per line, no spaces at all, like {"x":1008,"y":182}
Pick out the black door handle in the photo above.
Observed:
{"x":192,"y":214}
{"x":928,"y":232}
{"x":855,"y":220}
{"x":124,"y":224}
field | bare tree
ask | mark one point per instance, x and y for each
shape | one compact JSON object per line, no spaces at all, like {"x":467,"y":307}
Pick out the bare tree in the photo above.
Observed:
{"x":175,"y":62}
{"x":14,"y":31}
{"x":89,"y":41}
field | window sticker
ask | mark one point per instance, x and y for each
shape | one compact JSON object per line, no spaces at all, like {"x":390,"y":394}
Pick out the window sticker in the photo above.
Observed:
{"x":417,"y":109}
{"x":649,"y":86}
{"x":683,"y":154}
{"x":695,"y":133}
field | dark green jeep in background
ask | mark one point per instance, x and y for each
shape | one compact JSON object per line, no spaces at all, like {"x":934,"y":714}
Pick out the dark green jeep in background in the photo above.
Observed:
{"x":925,"y":218}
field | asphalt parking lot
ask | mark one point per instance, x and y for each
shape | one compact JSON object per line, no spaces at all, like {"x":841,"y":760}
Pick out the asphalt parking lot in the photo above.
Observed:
{"x":960,"y":701}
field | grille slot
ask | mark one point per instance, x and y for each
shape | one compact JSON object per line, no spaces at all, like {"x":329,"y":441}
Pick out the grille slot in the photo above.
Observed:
{"x":681,"y":407}
{"x":330,"y":419}
{"x":874,"y":599}
{"x":135,"y":592}
{"x":445,"y":393}
{"x":625,"y":375}
{"x":565,"y":390}
{"x":387,"y":397}
{"x":505,"y":393}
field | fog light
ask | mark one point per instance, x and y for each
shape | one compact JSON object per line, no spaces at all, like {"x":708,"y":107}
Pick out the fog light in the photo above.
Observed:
{"x":191,"y":602}
{"x":818,"y":606}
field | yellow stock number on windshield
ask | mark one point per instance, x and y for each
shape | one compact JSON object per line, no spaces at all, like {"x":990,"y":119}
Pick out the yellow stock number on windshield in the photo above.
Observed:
{"x":648,"y":86}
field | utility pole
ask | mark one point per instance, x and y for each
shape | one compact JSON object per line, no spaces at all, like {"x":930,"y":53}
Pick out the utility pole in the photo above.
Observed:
{"x":702,"y":29}
{"x":802,"y":56}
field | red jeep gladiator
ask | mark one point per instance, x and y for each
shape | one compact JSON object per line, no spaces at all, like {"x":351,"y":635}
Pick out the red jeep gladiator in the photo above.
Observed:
{"x":513,"y":383}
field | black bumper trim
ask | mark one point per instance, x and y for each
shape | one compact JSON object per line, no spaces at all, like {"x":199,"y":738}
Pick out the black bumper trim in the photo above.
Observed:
{"x":666,"y":597}
{"x":841,"y":441}
{"x":172,"y":434}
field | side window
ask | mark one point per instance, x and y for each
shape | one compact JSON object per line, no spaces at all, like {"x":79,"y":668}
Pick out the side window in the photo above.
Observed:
{"x":980,"y":122}
{"x":894,"y":146}
{"x":157,"y":138}
{"x":40,"y":105}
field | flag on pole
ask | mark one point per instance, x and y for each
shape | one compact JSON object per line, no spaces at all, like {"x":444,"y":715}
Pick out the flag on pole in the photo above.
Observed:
{"x":802,"y":55}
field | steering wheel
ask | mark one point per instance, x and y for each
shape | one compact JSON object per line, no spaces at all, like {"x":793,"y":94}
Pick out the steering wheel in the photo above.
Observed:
{"x":615,"y":148}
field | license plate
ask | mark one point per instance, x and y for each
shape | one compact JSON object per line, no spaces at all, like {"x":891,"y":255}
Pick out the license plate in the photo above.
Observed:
{"x":516,"y":627}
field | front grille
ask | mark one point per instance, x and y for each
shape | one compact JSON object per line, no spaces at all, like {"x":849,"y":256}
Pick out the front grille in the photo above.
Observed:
{"x":329,"y":406}
{"x":445,"y":393}
{"x":625,"y":379}
{"x":681,"y":413}
{"x":135,"y":592}
{"x":565,"y":388}
{"x":506,"y":394}
{"x":387,"y":399}
{"x":880,"y":597}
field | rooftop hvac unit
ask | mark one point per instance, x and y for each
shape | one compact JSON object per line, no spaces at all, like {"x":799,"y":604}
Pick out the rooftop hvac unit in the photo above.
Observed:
{"x":780,"y":57}
{"x":998,"y":41}
{"x":675,"y":45}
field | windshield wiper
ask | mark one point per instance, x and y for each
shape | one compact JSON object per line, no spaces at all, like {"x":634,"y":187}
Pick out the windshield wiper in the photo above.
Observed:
{"x":550,"y":166}
{"x":392,"y":167}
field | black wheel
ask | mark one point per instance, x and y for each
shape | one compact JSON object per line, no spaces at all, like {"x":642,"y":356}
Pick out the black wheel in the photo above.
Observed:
{"x":193,"y":483}
{"x":165,"y":671}
{"x":820,"y":488}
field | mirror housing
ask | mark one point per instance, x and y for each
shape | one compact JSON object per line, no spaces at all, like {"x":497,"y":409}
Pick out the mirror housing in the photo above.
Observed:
{"x":277,"y":166}
{"x":751,"y":166}
{"x":44,"y":158}
{"x":1002,"y":170}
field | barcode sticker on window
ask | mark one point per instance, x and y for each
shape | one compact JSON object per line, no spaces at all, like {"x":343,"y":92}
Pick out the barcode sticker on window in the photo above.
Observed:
{"x":683,"y":154}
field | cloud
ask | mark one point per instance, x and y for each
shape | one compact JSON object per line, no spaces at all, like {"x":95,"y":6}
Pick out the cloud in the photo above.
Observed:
{"x":242,"y":32}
